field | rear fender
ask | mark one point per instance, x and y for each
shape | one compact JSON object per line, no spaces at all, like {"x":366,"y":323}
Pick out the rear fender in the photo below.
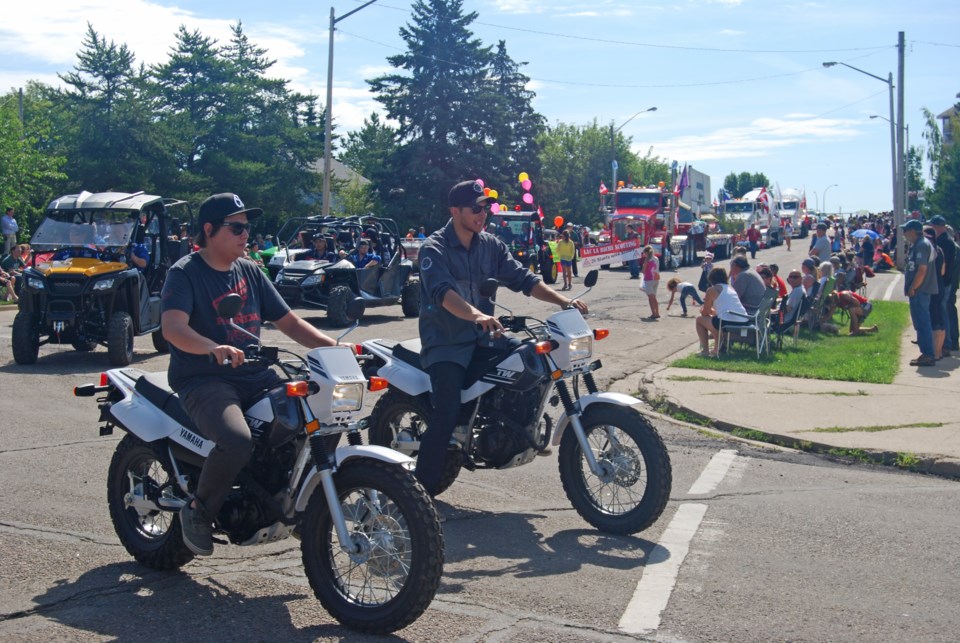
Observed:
{"x":616,"y":399}
{"x":345,"y":453}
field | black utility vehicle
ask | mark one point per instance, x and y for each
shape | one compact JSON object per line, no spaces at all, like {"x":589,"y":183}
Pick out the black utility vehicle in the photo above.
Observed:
{"x":82,"y":287}
{"x":332,"y":284}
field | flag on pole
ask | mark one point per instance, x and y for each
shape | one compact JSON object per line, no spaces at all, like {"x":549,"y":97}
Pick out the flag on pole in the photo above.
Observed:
{"x":764,"y":199}
{"x":540,"y":213}
{"x":603,"y":188}
{"x":683,"y":184}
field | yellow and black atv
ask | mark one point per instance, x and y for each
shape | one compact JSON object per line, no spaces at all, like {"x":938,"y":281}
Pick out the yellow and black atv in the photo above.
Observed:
{"x":98,"y":266}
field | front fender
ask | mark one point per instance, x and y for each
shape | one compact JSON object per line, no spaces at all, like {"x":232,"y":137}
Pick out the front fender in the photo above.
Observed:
{"x":617,"y":399}
{"x":348,"y":453}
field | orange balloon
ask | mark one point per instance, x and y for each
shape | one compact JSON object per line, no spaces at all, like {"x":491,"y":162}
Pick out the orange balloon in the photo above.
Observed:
{"x":558,"y":221}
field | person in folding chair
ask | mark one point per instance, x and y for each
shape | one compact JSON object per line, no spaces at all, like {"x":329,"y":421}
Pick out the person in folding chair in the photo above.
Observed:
{"x":721,"y":302}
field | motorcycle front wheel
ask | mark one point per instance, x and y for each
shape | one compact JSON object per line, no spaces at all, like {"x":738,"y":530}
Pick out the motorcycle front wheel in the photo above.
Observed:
{"x":634,"y":486}
{"x":387,"y":575}
{"x":397,"y":420}
{"x":153,"y":537}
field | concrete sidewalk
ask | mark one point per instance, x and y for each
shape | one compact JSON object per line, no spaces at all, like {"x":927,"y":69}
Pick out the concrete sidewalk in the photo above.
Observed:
{"x":794,"y":412}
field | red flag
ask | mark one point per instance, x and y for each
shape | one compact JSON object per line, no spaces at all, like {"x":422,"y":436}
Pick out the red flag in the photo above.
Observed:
{"x":540,"y":212}
{"x":603,"y":188}
{"x":764,"y":199}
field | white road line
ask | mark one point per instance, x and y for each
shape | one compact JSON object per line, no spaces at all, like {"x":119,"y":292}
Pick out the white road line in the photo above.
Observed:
{"x":714,"y":472}
{"x":893,"y":284}
{"x":660,"y":573}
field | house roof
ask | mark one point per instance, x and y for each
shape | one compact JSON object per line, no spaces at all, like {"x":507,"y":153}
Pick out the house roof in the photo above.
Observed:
{"x":339,"y":171}
{"x":950,"y":113}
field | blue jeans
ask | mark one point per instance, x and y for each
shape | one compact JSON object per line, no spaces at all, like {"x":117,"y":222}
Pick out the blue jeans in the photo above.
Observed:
{"x":689,"y":291}
{"x":634,"y":265}
{"x":920,"y":315}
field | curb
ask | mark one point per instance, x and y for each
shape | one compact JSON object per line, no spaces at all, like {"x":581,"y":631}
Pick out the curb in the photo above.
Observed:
{"x":654,"y":398}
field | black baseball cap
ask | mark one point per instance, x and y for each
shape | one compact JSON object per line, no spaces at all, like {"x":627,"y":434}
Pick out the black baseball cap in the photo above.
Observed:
{"x":220,"y":206}
{"x":468,"y":193}
{"x":937,"y":220}
{"x":914,"y":225}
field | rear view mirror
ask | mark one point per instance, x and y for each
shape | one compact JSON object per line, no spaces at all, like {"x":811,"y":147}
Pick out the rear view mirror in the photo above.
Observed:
{"x":356,"y":308}
{"x":591,"y":279}
{"x":488,"y":288}
{"x":229,"y":306}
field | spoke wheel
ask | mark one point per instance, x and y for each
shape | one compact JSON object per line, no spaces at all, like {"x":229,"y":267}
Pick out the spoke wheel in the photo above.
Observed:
{"x":151,"y":536}
{"x":633,"y":486}
{"x":388,"y":573}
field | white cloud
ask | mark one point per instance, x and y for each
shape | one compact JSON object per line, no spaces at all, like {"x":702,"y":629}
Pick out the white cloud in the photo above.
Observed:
{"x":762,"y":137}
{"x":731,"y":32}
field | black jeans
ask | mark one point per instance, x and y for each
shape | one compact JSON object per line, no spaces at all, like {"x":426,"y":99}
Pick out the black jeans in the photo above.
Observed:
{"x":216,"y":407}
{"x":446,"y":381}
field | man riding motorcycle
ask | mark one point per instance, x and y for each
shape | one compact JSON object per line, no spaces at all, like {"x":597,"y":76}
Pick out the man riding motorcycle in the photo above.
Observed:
{"x":454,"y":261}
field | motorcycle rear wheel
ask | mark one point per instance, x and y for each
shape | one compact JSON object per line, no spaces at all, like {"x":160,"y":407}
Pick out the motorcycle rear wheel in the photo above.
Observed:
{"x":636,"y":488}
{"x":392,"y":579}
{"x":153,"y":538}
{"x":397,"y":415}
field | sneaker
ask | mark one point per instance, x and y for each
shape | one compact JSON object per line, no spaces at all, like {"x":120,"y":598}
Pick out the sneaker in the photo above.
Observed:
{"x":945,"y":353}
{"x":197,"y":531}
{"x":923,"y":360}
{"x":545,"y":451}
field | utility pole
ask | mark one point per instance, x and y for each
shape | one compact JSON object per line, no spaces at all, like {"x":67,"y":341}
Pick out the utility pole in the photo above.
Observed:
{"x":901,"y":166}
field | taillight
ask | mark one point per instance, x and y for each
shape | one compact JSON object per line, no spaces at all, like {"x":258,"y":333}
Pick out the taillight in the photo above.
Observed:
{"x":103,"y":379}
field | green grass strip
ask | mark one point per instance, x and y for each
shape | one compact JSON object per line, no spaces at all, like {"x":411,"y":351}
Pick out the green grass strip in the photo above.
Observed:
{"x":876,"y":428}
{"x":873,"y":358}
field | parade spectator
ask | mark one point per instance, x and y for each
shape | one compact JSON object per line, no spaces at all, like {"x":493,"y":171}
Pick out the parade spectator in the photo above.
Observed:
{"x":9,"y":229}
{"x":747,"y":284}
{"x":411,"y":233}
{"x":797,"y":293}
{"x":651,"y":280}
{"x":920,"y":283}
{"x":856,"y":305}
{"x":780,"y":283}
{"x":753,"y":238}
{"x":422,"y":233}
{"x":566,"y":251}
{"x":948,"y":247}
{"x":720,"y":303}
{"x":820,"y":248}
{"x":16,"y":261}
{"x":788,"y":234}
{"x":633,"y":264}
{"x":936,"y":301}
{"x":686,"y":289}
{"x":866,"y":250}
{"x":705,"y":269}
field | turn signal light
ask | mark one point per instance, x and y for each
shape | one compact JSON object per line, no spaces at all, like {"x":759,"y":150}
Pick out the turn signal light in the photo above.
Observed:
{"x":312,"y":426}
{"x":377,"y":384}
{"x":544,"y":347}
{"x":298,"y":389}
{"x":557,"y":374}
{"x":600,"y":333}
{"x":103,"y":379}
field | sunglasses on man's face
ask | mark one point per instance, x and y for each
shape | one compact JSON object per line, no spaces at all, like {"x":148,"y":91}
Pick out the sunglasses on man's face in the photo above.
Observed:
{"x":477,"y":209}
{"x":238,"y":228}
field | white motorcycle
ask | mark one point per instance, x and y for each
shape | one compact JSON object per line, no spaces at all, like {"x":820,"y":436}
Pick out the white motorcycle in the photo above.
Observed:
{"x":614,"y":466}
{"x":371,"y":540}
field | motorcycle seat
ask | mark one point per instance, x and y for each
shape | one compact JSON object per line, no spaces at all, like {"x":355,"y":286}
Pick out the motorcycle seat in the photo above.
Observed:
{"x":408,"y":352}
{"x":154,"y":387}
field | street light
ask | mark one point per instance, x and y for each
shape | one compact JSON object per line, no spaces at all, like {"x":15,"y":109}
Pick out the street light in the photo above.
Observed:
{"x":825,"y":196}
{"x":328,"y":125}
{"x":897,"y":159}
{"x":816,"y":200}
{"x":613,"y":148}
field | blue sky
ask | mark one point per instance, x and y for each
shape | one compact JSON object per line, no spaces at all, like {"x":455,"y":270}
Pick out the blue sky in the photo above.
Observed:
{"x":738,"y":84}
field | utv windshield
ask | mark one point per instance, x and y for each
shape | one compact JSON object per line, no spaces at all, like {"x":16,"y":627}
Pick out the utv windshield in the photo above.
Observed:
{"x":510,"y":229}
{"x":79,"y":228}
{"x":645,"y":201}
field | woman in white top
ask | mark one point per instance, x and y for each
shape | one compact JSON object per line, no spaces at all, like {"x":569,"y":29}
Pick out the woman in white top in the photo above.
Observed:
{"x":720,"y":303}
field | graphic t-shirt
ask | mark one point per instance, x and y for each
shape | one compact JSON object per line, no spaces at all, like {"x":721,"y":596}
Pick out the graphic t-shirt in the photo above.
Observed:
{"x":195,"y":288}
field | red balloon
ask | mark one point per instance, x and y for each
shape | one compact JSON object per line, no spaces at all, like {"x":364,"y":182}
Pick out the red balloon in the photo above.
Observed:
{"x":558,"y":221}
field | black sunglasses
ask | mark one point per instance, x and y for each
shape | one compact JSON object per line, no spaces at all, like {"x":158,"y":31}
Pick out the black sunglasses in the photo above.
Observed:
{"x":477,"y":209}
{"x":238,"y":228}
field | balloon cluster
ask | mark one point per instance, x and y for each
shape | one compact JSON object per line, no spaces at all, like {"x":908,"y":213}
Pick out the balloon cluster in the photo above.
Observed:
{"x":525,"y":183}
{"x":493,"y":194}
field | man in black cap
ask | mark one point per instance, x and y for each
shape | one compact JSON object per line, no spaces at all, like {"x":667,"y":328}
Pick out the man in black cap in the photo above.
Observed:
{"x":949,"y":248}
{"x":454,"y":261}
{"x":320,"y":250}
{"x":212,"y":394}
{"x":919,"y":283}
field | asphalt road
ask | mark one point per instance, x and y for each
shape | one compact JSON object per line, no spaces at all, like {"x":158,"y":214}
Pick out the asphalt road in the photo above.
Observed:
{"x":755,"y":544}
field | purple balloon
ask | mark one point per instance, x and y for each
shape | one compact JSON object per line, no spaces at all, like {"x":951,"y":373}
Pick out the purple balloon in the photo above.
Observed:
{"x":526,"y":184}
{"x":528,"y":198}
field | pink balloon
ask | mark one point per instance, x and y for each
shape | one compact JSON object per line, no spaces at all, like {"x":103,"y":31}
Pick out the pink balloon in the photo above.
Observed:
{"x":528,"y":198}
{"x":480,"y":181}
{"x":494,"y":207}
{"x":526,"y":184}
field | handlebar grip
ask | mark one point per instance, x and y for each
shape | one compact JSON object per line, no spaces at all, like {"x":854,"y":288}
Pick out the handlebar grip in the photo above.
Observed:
{"x":213,"y":360}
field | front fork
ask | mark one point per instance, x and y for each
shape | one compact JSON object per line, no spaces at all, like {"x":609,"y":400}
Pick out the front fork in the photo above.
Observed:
{"x":573,"y":411}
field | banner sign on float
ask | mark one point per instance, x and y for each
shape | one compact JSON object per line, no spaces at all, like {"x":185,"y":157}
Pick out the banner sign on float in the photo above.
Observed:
{"x":595,"y":256}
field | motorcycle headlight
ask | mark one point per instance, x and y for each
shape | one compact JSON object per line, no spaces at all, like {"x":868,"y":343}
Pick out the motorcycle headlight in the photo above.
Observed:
{"x":313,"y":280}
{"x":347,"y":397}
{"x":35,"y":283}
{"x":581,"y":348}
{"x":103,"y":284}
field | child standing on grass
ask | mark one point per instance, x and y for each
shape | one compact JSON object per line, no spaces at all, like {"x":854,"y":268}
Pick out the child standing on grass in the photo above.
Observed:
{"x":685,"y":289}
{"x":651,"y":280}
